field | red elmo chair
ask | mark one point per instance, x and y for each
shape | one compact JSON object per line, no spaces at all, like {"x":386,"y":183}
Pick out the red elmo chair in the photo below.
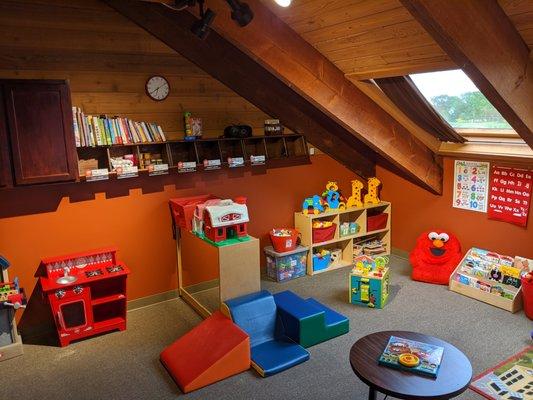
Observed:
{"x":435,"y":257}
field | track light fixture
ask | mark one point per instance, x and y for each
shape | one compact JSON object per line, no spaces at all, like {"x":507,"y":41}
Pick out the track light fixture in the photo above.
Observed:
{"x":240,"y":12}
{"x":202,"y":27}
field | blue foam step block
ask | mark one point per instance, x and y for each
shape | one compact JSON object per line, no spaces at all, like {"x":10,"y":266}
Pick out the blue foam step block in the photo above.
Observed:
{"x":332,"y":317}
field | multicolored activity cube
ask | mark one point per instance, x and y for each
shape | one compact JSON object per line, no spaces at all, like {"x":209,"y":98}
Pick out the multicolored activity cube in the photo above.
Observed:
{"x":369,"y":288}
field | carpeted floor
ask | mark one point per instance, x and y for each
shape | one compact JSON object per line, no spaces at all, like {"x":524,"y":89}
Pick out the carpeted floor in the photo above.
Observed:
{"x":126,"y":366}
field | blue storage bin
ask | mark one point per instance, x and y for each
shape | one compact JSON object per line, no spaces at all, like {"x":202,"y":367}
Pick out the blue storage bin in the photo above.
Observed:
{"x":286,"y":266}
{"x":321,"y":262}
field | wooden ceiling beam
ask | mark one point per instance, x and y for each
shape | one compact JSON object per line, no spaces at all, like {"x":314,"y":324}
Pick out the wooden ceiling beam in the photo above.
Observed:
{"x":481,"y":39}
{"x":278,"y":48}
{"x":225,"y":62}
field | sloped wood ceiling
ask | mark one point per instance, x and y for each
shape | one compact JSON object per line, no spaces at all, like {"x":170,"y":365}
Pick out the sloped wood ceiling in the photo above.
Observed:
{"x":379,"y":38}
{"x":303,"y":71}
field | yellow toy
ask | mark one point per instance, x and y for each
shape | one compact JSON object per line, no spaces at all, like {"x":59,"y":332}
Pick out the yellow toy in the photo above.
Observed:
{"x":372,"y":196}
{"x":355,"y":199}
{"x":333,"y":197}
{"x":408,"y":360}
{"x":322,"y":224}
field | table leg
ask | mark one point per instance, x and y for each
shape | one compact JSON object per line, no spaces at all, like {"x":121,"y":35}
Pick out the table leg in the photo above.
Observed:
{"x":372,"y":394}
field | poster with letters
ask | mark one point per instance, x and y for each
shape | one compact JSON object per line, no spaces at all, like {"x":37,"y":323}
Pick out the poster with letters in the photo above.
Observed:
{"x":471,"y":184}
{"x":510,"y":194}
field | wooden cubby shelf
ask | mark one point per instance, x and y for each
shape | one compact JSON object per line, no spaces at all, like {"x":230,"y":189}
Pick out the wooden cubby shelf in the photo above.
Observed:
{"x":280,"y":150}
{"x":344,"y":243}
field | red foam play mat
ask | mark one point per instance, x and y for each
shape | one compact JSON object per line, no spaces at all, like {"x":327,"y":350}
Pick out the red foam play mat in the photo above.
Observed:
{"x":511,"y":379}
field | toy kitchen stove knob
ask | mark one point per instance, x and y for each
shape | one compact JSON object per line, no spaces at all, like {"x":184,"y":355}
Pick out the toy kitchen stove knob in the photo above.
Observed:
{"x":77,"y":289}
{"x":60,"y":293}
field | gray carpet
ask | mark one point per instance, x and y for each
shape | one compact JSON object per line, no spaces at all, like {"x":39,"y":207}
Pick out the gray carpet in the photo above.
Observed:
{"x":125,"y":365}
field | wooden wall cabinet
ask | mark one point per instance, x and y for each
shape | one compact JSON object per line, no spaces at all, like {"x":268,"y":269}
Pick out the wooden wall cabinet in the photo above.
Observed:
{"x":39,"y":130}
{"x":6,"y":179}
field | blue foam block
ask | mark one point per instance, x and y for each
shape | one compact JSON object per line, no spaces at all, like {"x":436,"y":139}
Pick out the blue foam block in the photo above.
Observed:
{"x":271,"y":349}
{"x":277,"y":356}
{"x":332,"y":316}
{"x":255,"y":314}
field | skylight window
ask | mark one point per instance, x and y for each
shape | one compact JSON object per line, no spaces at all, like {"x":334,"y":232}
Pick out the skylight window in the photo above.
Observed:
{"x":455,"y":97}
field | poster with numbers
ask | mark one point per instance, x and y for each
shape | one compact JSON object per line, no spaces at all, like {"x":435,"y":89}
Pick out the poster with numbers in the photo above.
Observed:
{"x":510,"y":194}
{"x":471,"y":185}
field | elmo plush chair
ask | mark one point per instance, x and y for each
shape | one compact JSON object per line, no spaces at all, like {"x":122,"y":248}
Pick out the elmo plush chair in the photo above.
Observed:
{"x":272,"y":351}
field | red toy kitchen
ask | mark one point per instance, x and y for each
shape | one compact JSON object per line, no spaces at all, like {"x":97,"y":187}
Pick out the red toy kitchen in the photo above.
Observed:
{"x":86,"y":292}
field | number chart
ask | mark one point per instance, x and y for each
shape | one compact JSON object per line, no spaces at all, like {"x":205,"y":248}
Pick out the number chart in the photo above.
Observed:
{"x":471,"y":184}
{"x":510,"y":194}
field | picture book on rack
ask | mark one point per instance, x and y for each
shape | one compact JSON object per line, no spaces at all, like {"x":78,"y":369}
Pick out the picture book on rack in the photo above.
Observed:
{"x":413,"y":356}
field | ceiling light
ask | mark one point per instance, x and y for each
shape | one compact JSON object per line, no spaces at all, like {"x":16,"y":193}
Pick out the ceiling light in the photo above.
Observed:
{"x":283,"y":3}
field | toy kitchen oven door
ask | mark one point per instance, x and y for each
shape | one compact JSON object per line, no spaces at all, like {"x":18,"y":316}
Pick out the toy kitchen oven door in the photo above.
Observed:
{"x":86,"y":293}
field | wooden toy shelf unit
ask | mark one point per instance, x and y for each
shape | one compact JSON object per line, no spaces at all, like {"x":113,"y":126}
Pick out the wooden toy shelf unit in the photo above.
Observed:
{"x":179,"y":156}
{"x":346,"y":243}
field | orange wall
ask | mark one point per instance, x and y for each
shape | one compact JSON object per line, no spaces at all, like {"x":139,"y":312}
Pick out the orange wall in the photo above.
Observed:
{"x":139,"y":224}
{"x":415,"y":210}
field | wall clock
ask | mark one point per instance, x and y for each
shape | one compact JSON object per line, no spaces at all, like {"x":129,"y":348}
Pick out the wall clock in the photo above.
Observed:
{"x":157,"y":88}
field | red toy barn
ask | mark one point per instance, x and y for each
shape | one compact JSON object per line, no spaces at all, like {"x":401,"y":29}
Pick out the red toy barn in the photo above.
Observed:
{"x":226,"y":219}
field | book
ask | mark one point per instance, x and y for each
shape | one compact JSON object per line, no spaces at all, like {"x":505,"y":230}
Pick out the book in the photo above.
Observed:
{"x":160,"y":130}
{"x":102,"y":130}
{"x":430,"y":356}
{"x":97,"y":133}
{"x":91,"y":131}
{"x":147,"y":132}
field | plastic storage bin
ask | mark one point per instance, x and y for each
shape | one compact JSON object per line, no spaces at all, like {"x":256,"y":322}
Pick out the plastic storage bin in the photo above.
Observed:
{"x":321,"y":262}
{"x":286,"y":266}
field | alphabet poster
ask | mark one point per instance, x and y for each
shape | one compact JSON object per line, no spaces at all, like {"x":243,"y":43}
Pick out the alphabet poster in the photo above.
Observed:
{"x":471,"y":185}
{"x":510,"y":194}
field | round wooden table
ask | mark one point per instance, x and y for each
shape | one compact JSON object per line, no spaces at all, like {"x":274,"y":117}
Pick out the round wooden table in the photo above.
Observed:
{"x":453,"y":377}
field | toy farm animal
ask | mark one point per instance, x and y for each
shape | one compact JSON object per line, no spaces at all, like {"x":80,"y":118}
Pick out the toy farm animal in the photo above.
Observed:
{"x":372,"y":196}
{"x":355,"y":199}
{"x":435,"y":257}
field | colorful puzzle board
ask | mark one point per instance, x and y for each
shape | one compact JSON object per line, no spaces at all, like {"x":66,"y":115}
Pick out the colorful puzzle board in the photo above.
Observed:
{"x":471,"y":183}
{"x":430,"y":356}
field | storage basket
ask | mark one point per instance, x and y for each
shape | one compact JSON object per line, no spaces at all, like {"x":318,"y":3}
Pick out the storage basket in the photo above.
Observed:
{"x":377,"y":222}
{"x":324,"y":234}
{"x":283,"y":244}
{"x":321,"y":262}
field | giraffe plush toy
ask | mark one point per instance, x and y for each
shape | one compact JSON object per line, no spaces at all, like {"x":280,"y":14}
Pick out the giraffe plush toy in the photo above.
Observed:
{"x":372,"y":196}
{"x":355,"y":199}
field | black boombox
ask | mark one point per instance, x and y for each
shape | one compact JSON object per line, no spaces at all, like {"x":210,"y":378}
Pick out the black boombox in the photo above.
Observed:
{"x":237,"y":131}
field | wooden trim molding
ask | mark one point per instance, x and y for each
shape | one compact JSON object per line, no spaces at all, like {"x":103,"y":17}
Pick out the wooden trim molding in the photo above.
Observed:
{"x":516,"y":153}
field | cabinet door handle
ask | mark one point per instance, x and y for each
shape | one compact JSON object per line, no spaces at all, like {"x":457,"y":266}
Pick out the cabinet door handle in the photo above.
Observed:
{"x":60,"y":320}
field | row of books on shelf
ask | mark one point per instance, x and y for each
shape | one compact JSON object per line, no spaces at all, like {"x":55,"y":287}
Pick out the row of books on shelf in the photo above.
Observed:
{"x":90,"y":130}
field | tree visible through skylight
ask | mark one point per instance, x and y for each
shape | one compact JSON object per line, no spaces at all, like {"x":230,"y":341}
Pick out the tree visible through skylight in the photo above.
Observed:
{"x":458,"y":100}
